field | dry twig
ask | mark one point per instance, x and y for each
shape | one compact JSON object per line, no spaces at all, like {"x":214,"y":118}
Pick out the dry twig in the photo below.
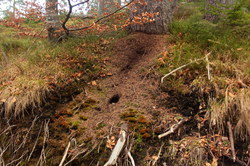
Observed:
{"x":231,"y":140}
{"x":174,"y":127}
{"x":65,"y":154}
{"x":173,"y":71}
{"x":159,"y":154}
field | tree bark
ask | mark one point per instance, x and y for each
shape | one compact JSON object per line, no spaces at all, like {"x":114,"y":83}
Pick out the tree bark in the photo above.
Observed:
{"x":52,"y":20}
{"x":159,"y":23}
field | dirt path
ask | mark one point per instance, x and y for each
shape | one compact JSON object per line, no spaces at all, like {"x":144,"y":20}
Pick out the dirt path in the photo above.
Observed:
{"x":131,"y":86}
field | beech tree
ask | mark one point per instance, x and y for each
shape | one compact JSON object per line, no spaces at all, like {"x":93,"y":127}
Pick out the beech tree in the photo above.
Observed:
{"x":152,"y":16}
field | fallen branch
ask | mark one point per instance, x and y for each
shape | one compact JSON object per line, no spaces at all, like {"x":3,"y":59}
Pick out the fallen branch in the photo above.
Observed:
{"x":65,"y":154}
{"x":194,"y":61}
{"x":175,"y":127}
{"x":158,"y":156}
{"x":231,"y":140}
{"x":118,"y":147}
{"x":208,"y":66}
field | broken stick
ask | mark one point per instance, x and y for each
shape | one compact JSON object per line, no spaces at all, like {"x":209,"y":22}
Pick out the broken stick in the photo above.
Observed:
{"x":65,"y":154}
{"x":118,"y":147}
{"x":231,"y":138}
{"x":174,"y":127}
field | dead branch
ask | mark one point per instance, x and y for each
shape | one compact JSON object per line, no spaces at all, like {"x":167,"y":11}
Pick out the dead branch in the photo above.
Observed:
{"x":35,"y":143}
{"x":8,"y":128}
{"x":68,"y":16}
{"x":118,"y":147}
{"x":131,"y":158}
{"x":231,"y":140}
{"x":65,"y":154}
{"x":18,"y":159}
{"x":158,"y":156}
{"x":173,"y":71}
{"x":175,"y":127}
{"x":27,"y":134}
{"x":208,"y":66}
{"x":81,"y":152}
{"x":75,"y":156}
{"x":42,"y":158}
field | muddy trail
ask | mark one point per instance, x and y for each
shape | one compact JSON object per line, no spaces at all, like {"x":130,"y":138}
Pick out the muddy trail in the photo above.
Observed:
{"x":85,"y":127}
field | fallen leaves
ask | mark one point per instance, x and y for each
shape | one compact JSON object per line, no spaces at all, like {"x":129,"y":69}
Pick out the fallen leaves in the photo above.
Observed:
{"x":111,"y":142}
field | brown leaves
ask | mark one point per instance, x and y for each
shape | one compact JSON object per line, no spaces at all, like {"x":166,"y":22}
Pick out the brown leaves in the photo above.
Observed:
{"x":111,"y":142}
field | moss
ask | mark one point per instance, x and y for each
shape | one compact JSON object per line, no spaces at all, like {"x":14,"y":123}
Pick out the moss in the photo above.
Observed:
{"x":129,"y":113}
{"x":82,"y":117}
{"x":74,"y":125}
{"x":131,"y":119}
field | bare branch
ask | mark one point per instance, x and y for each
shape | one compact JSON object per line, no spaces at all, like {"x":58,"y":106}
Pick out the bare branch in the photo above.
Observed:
{"x":193,"y":61}
{"x":81,"y":3}
{"x":98,"y":20}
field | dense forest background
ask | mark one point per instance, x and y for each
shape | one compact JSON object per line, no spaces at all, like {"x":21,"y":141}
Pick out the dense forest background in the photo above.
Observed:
{"x":140,"y":82}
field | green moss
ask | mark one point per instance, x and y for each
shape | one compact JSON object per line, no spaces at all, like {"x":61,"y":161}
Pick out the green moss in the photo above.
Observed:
{"x":82,"y":117}
{"x":129,"y":113}
{"x":74,"y":124}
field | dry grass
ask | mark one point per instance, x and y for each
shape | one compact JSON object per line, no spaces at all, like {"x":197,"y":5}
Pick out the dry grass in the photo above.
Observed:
{"x":25,"y":85}
{"x":236,"y":109}
{"x":188,"y":151}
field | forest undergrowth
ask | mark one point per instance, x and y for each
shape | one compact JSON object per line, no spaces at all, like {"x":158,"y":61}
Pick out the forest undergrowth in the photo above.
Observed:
{"x":72,"y":98}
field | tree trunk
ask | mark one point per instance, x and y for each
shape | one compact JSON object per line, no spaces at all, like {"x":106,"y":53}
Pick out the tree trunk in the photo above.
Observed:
{"x":159,"y":23}
{"x":52,"y":20}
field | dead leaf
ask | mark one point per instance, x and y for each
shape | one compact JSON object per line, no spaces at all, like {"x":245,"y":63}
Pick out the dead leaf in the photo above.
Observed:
{"x":93,"y":83}
{"x":111,"y":142}
{"x":155,"y":158}
{"x":109,"y":74}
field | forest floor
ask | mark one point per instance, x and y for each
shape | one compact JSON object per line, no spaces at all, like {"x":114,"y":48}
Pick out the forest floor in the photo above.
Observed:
{"x":68,"y":103}
{"x":89,"y":121}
